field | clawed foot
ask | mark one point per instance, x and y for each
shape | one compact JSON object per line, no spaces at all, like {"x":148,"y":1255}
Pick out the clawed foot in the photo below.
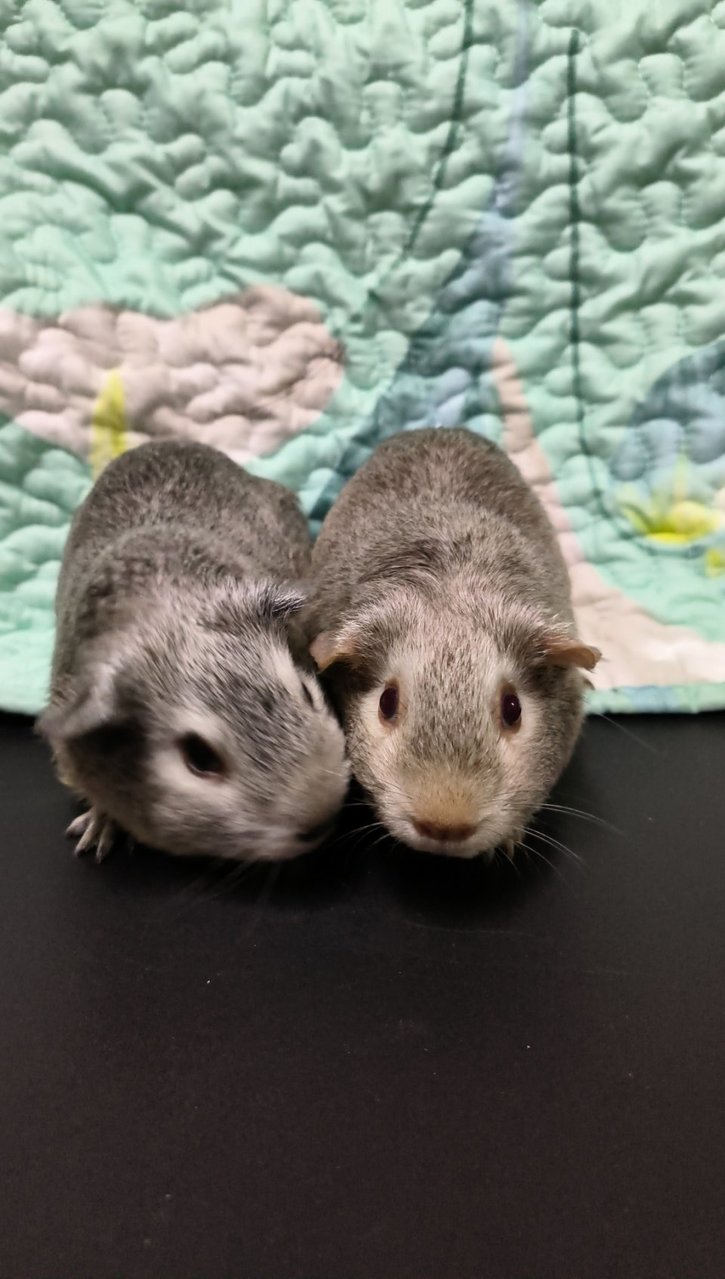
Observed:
{"x":92,"y":831}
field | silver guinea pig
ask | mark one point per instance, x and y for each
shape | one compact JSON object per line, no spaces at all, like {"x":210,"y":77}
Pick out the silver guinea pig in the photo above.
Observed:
{"x":444,"y":624}
{"x":180,"y":709}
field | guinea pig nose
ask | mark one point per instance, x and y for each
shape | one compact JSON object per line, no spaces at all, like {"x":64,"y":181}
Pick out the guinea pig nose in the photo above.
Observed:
{"x":446,"y":833}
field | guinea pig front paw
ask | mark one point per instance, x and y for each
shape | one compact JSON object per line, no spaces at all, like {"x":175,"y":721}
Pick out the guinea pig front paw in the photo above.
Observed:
{"x":93,"y":830}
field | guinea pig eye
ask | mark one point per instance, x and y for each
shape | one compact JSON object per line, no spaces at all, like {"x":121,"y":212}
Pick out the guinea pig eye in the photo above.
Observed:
{"x":510,"y":708}
{"x":388,"y":704}
{"x":201,"y":758}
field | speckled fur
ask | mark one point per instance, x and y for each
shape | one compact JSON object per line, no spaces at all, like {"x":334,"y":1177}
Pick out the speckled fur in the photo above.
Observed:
{"x":175,"y":613}
{"x":438,"y":569}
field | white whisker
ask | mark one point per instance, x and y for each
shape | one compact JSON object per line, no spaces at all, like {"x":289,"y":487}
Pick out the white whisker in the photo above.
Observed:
{"x":647,"y":746}
{"x":581,"y":813}
{"x":553,"y":843}
{"x":535,"y":852}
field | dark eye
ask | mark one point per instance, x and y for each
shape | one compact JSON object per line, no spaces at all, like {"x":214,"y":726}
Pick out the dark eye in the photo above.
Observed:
{"x":308,"y":695}
{"x":200,"y":757}
{"x":510,"y":709}
{"x":388,"y":704}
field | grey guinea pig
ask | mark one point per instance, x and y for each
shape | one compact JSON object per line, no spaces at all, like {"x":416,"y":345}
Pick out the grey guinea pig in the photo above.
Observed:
{"x":444,"y":624}
{"x":180,"y":710}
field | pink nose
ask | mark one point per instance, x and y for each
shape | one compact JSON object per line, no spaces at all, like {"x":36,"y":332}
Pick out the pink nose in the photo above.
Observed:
{"x":445,"y":833}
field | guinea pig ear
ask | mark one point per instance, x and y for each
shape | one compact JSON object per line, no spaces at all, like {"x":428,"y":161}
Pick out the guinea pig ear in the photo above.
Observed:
{"x":329,"y":648}
{"x":560,"y":649}
{"x":91,"y":705}
{"x":276,"y":602}
{"x":376,"y":622}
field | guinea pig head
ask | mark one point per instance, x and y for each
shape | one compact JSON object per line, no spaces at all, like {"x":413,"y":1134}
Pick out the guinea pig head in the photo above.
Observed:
{"x":200,"y":731}
{"x":460,"y":711}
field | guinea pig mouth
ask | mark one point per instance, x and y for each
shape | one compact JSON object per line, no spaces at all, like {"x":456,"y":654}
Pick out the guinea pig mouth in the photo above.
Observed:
{"x":289,"y":844}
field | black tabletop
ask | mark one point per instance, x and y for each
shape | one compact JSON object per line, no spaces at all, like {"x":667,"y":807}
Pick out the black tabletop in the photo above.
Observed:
{"x":373,"y":1065}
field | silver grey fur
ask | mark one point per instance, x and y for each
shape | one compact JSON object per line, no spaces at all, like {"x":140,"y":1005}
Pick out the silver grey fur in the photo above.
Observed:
{"x":175,"y":615}
{"x":437,"y":569}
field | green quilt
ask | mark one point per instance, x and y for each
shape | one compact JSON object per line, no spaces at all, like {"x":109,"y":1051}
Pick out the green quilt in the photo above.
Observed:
{"x":292,"y":227}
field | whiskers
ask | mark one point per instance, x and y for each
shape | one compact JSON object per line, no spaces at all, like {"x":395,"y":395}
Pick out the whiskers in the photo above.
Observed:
{"x":646,"y":746}
{"x":565,"y":810}
{"x":550,"y":842}
{"x":353,"y":839}
{"x":556,"y":844}
{"x":504,"y":860}
{"x":541,"y":857}
{"x":536,"y":853}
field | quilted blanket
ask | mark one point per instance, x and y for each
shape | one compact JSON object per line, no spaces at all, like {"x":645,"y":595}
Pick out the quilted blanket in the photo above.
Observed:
{"x":292,"y":227}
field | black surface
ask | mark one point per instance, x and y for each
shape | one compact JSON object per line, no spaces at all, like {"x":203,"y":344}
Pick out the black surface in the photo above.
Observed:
{"x":376,"y":1066}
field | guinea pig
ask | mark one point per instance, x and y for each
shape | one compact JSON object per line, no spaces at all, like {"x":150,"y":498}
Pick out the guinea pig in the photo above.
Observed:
{"x":184,"y":709}
{"x":442,"y":619}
